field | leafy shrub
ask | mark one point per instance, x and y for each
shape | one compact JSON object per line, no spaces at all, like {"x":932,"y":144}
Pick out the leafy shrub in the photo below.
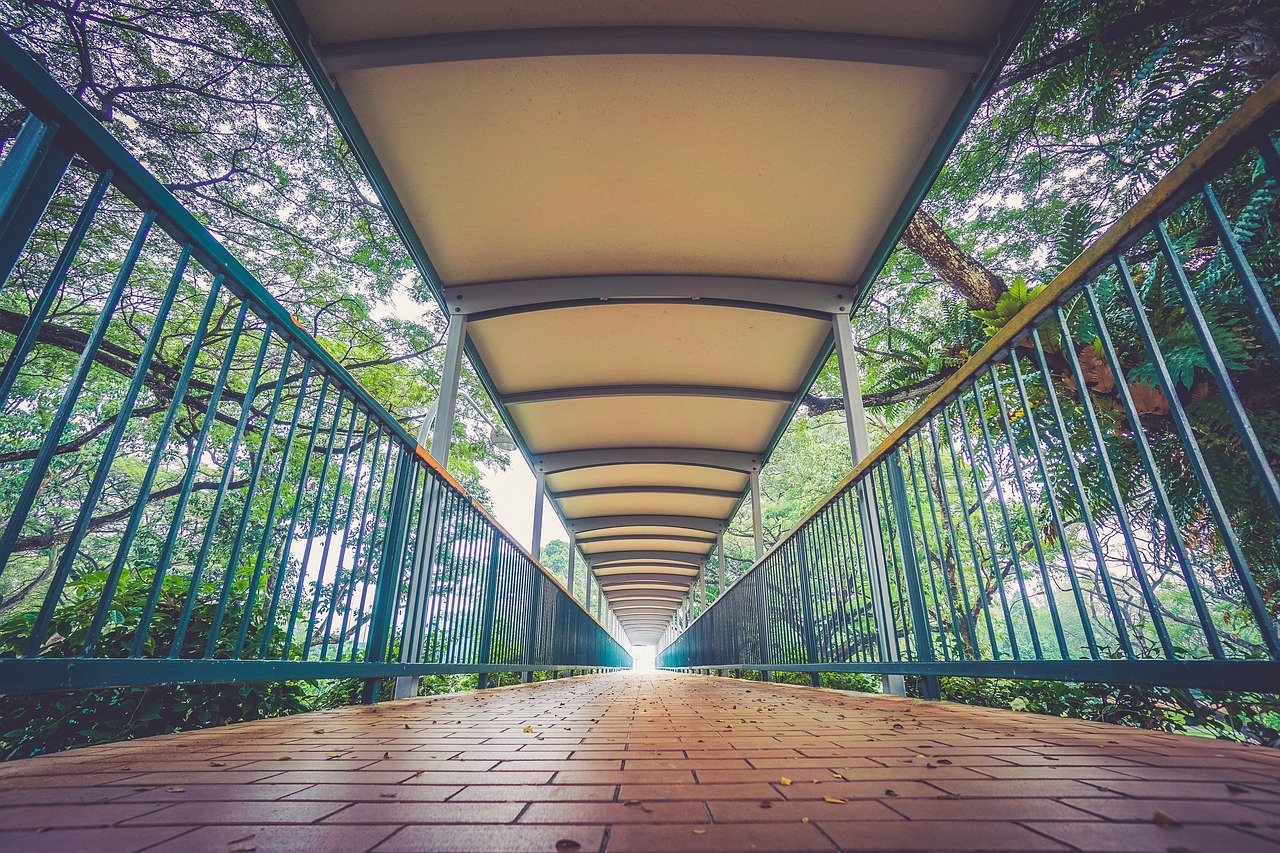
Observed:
{"x":35,"y":723}
{"x":1238,"y":716}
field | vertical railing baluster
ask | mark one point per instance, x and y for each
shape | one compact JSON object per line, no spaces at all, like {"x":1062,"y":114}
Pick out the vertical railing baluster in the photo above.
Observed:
{"x":1113,"y":487}
{"x":215,"y":512}
{"x":25,"y":340}
{"x":1153,"y":476}
{"x":1055,"y":512}
{"x":1196,"y":461}
{"x":282,"y":564}
{"x":1033,"y":529}
{"x":1059,"y":426}
{"x":153,"y":467}
{"x":242,"y":527}
{"x":929,"y":684}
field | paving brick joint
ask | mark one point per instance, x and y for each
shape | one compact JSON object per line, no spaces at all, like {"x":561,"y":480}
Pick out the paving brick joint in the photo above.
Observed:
{"x":630,"y":762}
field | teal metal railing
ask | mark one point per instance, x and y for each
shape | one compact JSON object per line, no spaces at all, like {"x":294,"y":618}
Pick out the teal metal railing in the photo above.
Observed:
{"x":1092,"y":497}
{"x":191,"y":488}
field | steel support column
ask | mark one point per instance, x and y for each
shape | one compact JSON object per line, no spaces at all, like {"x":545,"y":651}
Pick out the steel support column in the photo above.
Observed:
{"x":860,"y":445}
{"x":441,"y":441}
{"x":573,"y":553}
{"x":757,"y":523}
{"x":447,"y":402}
{"x":721,"y":574}
{"x":539,"y":498}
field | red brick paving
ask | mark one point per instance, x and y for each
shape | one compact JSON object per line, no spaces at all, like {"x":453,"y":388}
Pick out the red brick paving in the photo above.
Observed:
{"x":659,"y":762}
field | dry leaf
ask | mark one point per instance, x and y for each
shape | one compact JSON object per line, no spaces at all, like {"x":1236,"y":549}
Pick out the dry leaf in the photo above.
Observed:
{"x":1148,"y":400}
{"x":407,"y":726}
{"x":386,"y":755}
{"x":285,"y":758}
{"x":1165,"y":819}
{"x":786,"y":781}
{"x":804,"y":820}
{"x":837,"y":775}
{"x":699,"y":832}
{"x":528,"y":729}
{"x":176,"y":789}
{"x":834,"y":800}
{"x":1097,"y":373}
{"x":889,"y":792}
{"x":217,"y":764}
{"x":318,"y":731}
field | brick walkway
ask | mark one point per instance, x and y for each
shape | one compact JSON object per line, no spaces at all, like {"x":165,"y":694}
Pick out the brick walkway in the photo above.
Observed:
{"x":658,"y":762}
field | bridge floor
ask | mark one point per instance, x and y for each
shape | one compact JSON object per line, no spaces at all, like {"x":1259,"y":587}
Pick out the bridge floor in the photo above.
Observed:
{"x":653,"y":762}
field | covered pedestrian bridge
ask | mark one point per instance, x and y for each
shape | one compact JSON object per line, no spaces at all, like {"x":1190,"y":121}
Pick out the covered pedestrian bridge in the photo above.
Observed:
{"x":649,"y":226}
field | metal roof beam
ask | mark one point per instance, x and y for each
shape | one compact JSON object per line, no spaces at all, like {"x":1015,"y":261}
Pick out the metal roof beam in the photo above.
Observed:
{"x":698,"y":457}
{"x":667,"y":602}
{"x":518,"y":296}
{"x":684,"y":522}
{"x":684,"y":558}
{"x":549,"y":395}
{"x":618,"y":569}
{"x":643,"y":537}
{"x":612,"y":581}
{"x":689,"y":41}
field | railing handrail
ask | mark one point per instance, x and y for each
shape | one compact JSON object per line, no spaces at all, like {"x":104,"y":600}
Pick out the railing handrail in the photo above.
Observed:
{"x":1228,"y":139}
{"x":36,"y":89}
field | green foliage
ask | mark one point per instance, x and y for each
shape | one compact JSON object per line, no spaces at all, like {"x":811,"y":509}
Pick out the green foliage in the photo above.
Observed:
{"x":1244,"y":717}
{"x":1008,"y":306}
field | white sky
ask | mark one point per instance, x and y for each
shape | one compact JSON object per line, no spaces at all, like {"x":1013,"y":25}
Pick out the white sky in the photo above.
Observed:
{"x":512,"y":492}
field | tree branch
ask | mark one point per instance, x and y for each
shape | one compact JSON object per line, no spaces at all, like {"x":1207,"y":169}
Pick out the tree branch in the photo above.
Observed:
{"x":821,"y":405}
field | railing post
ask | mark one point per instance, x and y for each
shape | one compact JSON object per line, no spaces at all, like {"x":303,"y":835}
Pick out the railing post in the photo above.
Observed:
{"x":385,"y":594}
{"x":31,"y":174}
{"x":531,"y":627}
{"x":929,"y":685}
{"x":490,"y":606}
{"x":441,"y":442}
{"x":762,"y":623}
{"x":415,"y":610}
{"x":806,"y":604}
{"x":860,"y":446}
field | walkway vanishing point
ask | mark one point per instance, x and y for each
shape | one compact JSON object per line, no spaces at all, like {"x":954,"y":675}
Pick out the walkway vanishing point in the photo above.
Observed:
{"x":648,"y":762}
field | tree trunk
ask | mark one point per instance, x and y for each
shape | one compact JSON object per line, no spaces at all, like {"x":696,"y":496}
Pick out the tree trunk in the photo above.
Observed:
{"x":965,"y":274}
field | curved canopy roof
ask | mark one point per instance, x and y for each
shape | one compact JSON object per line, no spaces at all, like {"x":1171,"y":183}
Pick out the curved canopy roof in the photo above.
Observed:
{"x":648,"y":213}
